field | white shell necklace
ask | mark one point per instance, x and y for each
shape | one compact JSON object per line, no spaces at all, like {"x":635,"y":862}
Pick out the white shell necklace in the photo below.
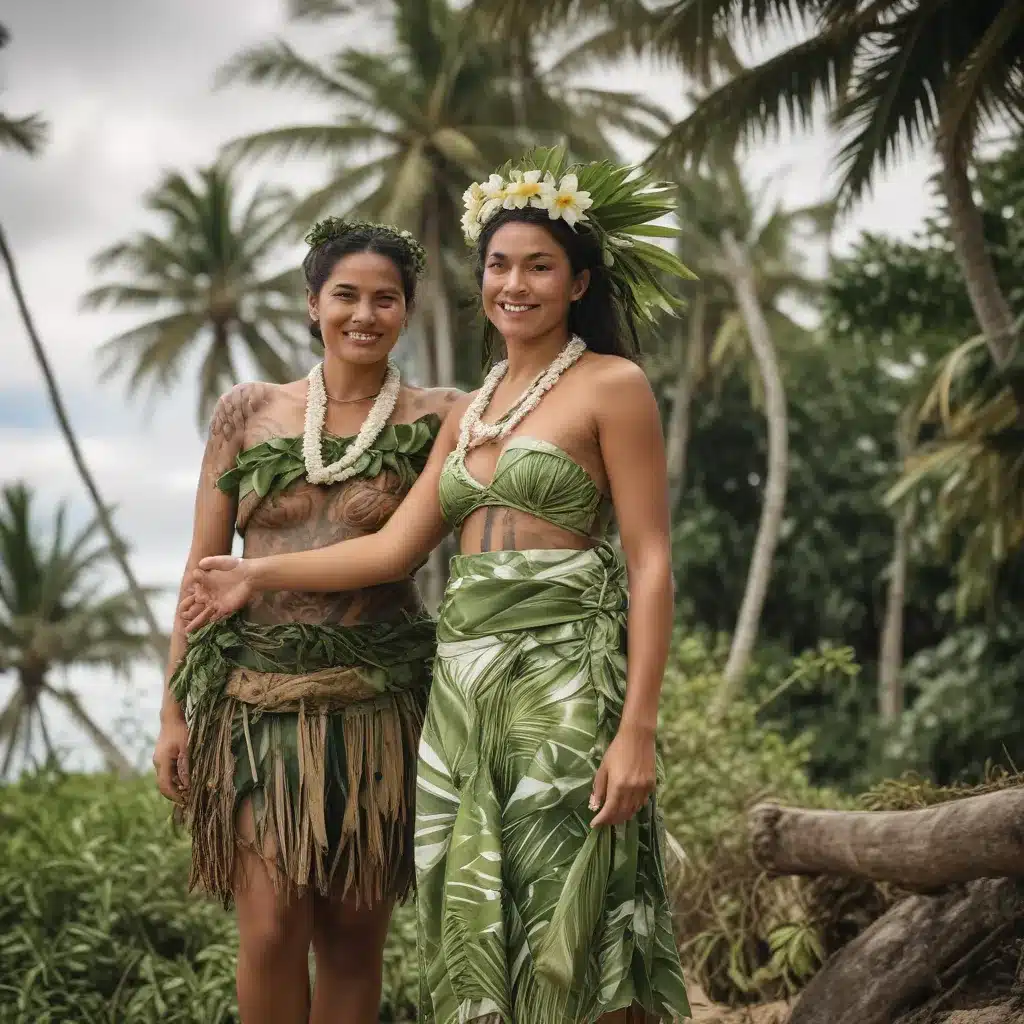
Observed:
{"x":316,"y":414}
{"x":473,"y":432}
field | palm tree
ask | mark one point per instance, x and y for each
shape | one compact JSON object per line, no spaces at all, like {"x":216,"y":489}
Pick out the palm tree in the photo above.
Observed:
{"x":750,"y":260}
{"x":207,"y":275}
{"x":27,"y":135}
{"x":417,"y":123}
{"x":965,"y":480}
{"x":52,"y":616}
{"x":895,"y":75}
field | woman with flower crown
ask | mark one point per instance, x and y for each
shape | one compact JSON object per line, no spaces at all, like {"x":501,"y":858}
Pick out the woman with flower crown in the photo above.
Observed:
{"x":289,"y":730}
{"x":540,"y":880}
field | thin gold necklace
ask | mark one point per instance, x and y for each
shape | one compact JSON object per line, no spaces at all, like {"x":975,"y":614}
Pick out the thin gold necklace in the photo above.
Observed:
{"x":351,"y":401}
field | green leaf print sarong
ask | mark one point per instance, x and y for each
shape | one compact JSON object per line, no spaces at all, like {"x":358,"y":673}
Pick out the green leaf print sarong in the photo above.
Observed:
{"x":527,"y":915}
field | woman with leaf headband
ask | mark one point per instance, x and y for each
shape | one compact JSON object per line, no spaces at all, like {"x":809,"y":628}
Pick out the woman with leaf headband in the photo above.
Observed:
{"x":540,"y":881}
{"x":289,"y":730}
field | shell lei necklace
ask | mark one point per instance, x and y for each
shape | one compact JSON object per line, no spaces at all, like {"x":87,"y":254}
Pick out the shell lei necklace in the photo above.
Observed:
{"x":474,"y":432}
{"x":316,"y":414}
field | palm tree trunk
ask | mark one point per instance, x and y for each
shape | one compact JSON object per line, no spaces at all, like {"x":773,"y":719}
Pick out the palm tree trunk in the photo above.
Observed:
{"x":157,"y":640}
{"x":10,"y":728}
{"x":115,"y":760}
{"x":890,"y":654}
{"x":741,"y":275}
{"x":444,"y":346}
{"x":968,"y":230}
{"x":687,"y":365}
{"x":444,"y":373}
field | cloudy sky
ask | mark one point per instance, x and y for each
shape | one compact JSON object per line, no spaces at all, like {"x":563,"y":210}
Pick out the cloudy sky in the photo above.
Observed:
{"x":128,"y":88}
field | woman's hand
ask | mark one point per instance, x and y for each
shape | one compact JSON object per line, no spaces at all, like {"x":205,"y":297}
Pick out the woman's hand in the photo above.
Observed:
{"x":220,"y":586}
{"x":625,"y":780}
{"x":170,"y":758}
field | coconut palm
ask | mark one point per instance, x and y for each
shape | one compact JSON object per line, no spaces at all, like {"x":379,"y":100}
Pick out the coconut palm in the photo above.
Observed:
{"x":964,"y":483}
{"x":749,"y":256}
{"x":895,"y":75}
{"x":27,"y":134}
{"x":53,"y":615}
{"x":415,"y":124}
{"x":210,"y":278}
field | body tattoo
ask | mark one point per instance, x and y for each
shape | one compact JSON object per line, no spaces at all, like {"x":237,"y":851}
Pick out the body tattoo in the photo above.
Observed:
{"x":307,"y":516}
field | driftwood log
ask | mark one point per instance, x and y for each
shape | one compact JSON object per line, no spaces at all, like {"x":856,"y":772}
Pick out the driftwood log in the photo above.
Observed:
{"x":911,"y":954}
{"x":923,"y":850}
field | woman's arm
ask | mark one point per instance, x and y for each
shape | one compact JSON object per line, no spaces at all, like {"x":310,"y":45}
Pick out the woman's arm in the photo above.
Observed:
{"x":223,"y":585}
{"x":632,"y":447}
{"x":212,"y":529}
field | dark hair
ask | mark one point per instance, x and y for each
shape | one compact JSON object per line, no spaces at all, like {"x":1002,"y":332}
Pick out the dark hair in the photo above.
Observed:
{"x":601,"y":317}
{"x":321,"y":259}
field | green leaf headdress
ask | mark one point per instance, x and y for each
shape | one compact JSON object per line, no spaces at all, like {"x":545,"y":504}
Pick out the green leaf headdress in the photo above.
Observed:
{"x":331,"y":228}
{"x":617,"y":203}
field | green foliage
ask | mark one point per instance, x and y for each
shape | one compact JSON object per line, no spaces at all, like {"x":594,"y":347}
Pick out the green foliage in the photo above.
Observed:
{"x":893,"y":75}
{"x":744,"y":936}
{"x":95,"y":925}
{"x":964,"y":482}
{"x":909,"y":297}
{"x":966,"y":699}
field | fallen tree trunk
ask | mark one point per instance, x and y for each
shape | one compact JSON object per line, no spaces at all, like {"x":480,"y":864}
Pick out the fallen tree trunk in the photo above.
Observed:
{"x":911,"y":954}
{"x":958,"y":841}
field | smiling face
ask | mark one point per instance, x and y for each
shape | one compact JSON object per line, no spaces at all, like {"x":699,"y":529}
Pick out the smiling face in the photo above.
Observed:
{"x":361,"y":308}
{"x":528,"y":283}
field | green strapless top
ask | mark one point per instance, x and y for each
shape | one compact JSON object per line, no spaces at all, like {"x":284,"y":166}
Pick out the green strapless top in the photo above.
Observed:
{"x":531,"y":476}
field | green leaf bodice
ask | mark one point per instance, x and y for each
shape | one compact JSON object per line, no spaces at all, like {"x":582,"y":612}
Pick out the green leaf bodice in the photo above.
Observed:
{"x":273,"y":465}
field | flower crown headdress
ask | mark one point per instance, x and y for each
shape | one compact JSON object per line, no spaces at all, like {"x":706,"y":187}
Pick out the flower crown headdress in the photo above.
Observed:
{"x":619,"y":204}
{"x":331,"y":228}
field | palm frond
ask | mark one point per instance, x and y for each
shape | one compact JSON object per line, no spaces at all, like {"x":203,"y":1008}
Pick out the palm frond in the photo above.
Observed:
{"x":988,"y":73}
{"x":335,"y":140}
{"x":158,"y":351}
{"x":894,"y":106}
{"x":967,"y":481}
{"x":27,"y":134}
{"x":760,"y":100}
{"x":277,"y":64}
{"x":692,"y":31}
{"x":320,"y":10}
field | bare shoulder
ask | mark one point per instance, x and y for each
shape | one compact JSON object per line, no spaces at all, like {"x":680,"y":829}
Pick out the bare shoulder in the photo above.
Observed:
{"x":436,"y":401}
{"x":245,"y":404}
{"x":607,"y":374}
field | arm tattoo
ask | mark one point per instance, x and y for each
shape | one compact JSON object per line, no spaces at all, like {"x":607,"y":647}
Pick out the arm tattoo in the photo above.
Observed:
{"x":227,"y":427}
{"x":234,"y":409}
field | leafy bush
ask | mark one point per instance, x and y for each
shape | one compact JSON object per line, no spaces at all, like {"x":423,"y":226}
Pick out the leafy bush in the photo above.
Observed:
{"x":95,"y":925}
{"x":744,"y":936}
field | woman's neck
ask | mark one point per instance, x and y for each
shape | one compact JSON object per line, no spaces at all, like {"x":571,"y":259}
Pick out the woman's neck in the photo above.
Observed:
{"x":529,"y":357}
{"x":348,"y":382}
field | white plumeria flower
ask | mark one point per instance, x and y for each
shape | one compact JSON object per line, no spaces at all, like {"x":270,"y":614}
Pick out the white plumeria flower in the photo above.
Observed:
{"x":522,"y":189}
{"x":493,"y":187}
{"x":474,"y":195}
{"x":471,"y":226}
{"x":490,"y":208}
{"x":565,"y":200}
